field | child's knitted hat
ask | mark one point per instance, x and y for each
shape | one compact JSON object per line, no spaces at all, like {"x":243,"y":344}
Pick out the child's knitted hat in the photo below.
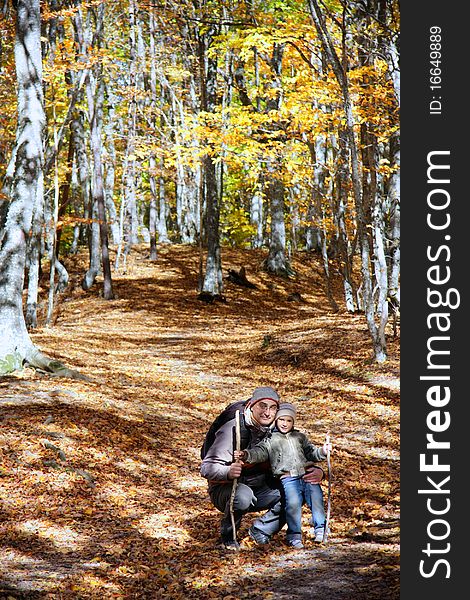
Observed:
{"x":286,"y":410}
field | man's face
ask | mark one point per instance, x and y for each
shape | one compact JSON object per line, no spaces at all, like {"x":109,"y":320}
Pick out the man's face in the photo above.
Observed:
{"x":264,"y":412}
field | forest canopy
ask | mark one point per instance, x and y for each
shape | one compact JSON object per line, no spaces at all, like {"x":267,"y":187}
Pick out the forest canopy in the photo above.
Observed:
{"x":255,"y":124}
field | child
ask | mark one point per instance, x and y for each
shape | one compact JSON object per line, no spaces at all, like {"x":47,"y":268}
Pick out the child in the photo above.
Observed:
{"x":289,"y":452}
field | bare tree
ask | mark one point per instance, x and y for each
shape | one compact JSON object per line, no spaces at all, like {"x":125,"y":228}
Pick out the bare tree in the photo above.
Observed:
{"x":213,"y":282}
{"x":377,"y":331}
{"x":95,"y":100}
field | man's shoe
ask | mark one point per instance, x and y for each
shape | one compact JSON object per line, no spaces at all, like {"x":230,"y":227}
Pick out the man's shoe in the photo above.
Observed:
{"x":230,"y":545}
{"x":258,"y":536}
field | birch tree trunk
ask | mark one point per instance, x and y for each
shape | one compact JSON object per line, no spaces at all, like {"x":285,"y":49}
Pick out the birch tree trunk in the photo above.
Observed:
{"x":389,"y":45}
{"x":256,"y":217}
{"x":194,"y":173}
{"x":393,"y":200}
{"x":318,"y":156}
{"x":27,"y":185}
{"x":95,"y":100}
{"x":109,"y":165}
{"x":152,"y":209}
{"x":83,"y":174}
{"x":276,"y":261}
{"x":34,"y":249}
{"x":187,"y":180}
{"x":129,"y":175}
{"x":83,"y":39}
{"x":36,"y":243}
{"x":345,"y":246}
{"x":16,"y":347}
{"x":382,"y":204}
{"x":340,"y":72}
{"x":153,"y":122}
{"x":157,"y":209}
{"x":257,"y":207}
{"x":94,"y":87}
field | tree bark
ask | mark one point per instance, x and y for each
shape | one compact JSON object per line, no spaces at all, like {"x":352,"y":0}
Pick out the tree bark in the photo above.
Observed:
{"x":95,"y":97}
{"x":109,"y":166}
{"x":213,"y":281}
{"x":130,"y":200}
{"x":256,"y":217}
{"x":153,"y":122}
{"x":16,"y":347}
{"x":35,"y":245}
{"x":99,"y":248}
{"x":362,"y":224}
{"x":276,"y":261}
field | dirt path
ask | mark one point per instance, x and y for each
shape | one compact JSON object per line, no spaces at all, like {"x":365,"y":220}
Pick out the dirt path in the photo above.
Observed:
{"x":100,"y":491}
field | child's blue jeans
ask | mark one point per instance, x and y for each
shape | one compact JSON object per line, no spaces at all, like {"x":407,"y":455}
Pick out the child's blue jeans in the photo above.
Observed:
{"x":297,"y":491}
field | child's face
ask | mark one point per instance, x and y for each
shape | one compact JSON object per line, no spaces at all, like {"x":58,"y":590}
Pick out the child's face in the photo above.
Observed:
{"x":285,"y":424}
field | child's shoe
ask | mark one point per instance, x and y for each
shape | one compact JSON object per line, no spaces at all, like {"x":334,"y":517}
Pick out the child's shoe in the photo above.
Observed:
{"x":295,"y":542}
{"x":319,"y":535}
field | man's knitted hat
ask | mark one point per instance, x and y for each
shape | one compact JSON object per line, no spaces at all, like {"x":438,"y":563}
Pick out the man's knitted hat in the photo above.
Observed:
{"x":286,"y":410}
{"x":263,"y":393}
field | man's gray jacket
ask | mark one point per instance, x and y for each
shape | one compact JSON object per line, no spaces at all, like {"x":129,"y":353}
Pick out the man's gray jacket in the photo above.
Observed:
{"x":219,"y":457}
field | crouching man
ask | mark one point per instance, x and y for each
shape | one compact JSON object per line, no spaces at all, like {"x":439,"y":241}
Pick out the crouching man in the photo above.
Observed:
{"x":257,"y":489}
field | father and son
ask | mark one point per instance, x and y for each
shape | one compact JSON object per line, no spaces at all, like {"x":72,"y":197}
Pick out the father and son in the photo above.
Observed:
{"x":274,"y":471}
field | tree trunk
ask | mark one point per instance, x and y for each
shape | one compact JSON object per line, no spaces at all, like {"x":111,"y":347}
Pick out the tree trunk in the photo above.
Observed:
{"x":95,"y":98}
{"x":346,"y":252}
{"x":213,"y":282}
{"x":98,"y":245}
{"x":276,"y":262}
{"x":393,"y":192}
{"x":256,"y":217}
{"x":109,"y":166}
{"x":318,"y":156}
{"x":153,"y":121}
{"x":27,"y":185}
{"x":153,"y":208}
{"x":162,"y":230}
{"x":16,"y":347}
{"x":393,"y":198}
{"x":35,"y":245}
{"x":83,"y":40}
{"x":362,"y":224}
{"x":130,"y":200}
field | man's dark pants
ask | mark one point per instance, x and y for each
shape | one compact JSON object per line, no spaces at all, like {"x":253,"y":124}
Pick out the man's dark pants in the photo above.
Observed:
{"x":248,"y":499}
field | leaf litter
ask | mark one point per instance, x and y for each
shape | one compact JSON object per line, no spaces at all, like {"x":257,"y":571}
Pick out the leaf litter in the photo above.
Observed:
{"x":100,"y":489}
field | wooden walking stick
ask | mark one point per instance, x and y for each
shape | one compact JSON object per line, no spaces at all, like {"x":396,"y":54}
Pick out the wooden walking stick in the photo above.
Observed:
{"x":235,"y":481}
{"x":328,"y":509}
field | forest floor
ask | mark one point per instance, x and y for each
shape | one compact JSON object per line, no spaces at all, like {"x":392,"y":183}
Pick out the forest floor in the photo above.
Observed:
{"x":100,"y":492}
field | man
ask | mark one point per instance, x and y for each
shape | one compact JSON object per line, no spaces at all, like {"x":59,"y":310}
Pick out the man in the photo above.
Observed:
{"x":256,"y":489}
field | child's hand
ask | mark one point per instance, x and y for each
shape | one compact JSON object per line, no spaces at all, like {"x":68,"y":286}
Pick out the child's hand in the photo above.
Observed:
{"x":314,"y":474}
{"x":239,"y":455}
